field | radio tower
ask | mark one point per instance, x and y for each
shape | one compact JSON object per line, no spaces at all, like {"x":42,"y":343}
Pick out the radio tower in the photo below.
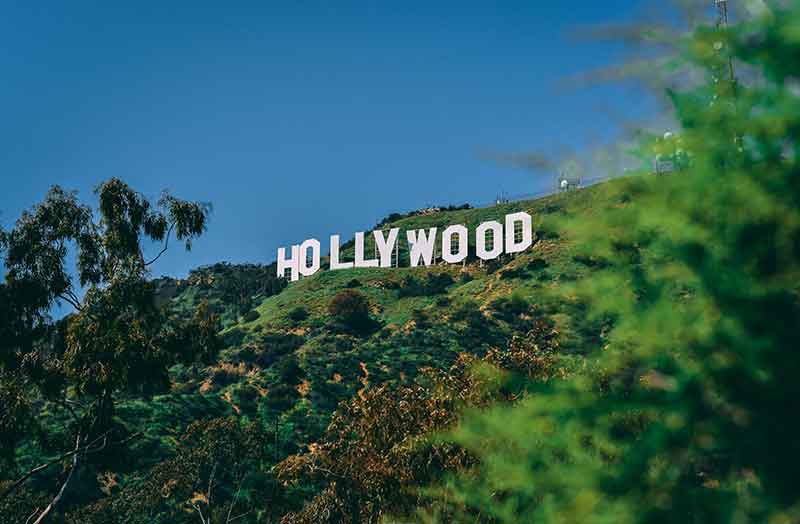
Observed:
{"x":722,"y":23}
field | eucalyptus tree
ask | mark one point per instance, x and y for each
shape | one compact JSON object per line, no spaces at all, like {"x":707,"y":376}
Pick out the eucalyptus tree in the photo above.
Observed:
{"x":117,"y":339}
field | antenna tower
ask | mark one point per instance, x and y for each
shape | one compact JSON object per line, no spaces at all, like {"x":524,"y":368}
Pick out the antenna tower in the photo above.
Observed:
{"x":722,"y":23}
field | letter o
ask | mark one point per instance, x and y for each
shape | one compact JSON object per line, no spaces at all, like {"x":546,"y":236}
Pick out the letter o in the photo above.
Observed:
{"x":314,"y":245}
{"x":497,"y":240}
{"x":447,"y":241}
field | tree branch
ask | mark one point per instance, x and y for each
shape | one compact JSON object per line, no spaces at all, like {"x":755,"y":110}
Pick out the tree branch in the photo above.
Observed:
{"x":71,"y":301}
{"x":32,"y":515}
{"x":228,"y":520}
{"x":166,"y":245}
{"x":61,"y":491}
{"x":42,"y":467}
{"x":199,"y":512}
{"x":240,"y":516}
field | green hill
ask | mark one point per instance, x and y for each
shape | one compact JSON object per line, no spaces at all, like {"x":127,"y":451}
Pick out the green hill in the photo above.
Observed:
{"x":285,"y":361}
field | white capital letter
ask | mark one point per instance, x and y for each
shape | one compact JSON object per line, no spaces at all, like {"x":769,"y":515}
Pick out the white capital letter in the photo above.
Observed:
{"x":360,"y":262}
{"x":292,"y":263}
{"x":385,"y":247}
{"x":421,"y":246}
{"x":335,"y":264}
{"x":447,"y":244}
{"x":512,"y":246}
{"x":497,"y":240}
{"x":305,"y":269}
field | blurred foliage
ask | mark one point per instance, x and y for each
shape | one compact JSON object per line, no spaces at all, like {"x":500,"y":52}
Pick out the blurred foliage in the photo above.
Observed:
{"x":686,"y":411}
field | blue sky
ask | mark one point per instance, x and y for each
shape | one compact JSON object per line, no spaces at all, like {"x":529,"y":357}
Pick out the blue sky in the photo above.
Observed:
{"x":298,"y":119}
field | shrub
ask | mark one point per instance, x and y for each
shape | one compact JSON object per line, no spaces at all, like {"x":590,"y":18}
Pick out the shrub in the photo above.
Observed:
{"x":442,"y":301}
{"x":251,"y":316}
{"x":410,"y":287}
{"x":272,"y":346}
{"x":510,"y":308}
{"x":591,"y":262}
{"x":298,"y":314}
{"x":438,"y":283}
{"x":432,"y":284}
{"x":234,"y":337}
{"x":420,"y":318}
{"x":349,"y":305}
{"x":281,"y":397}
{"x":350,"y":309}
{"x":536,"y":264}
{"x":516,"y":272}
{"x":290,"y":371}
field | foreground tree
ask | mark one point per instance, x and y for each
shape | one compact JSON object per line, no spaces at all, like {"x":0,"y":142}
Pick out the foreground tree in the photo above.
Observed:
{"x":212,"y":479}
{"x":118,"y":340}
{"x":688,"y":412}
{"x":381,"y":446}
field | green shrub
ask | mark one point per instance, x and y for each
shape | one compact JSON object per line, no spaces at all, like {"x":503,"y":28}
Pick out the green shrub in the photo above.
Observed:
{"x":251,"y":316}
{"x":350,"y":309}
{"x":354,"y":283}
{"x":431,"y":284}
{"x":298,"y":314}
{"x":537,"y":264}
{"x":511,"y":308}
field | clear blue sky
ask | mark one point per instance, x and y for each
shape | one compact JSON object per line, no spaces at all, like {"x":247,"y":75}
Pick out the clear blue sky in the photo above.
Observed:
{"x":297,"y":119}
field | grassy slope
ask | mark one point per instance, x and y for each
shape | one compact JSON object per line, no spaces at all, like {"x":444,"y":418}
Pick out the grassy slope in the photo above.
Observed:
{"x":251,"y":376}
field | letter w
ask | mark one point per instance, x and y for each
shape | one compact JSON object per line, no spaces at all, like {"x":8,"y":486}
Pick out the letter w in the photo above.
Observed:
{"x":421,"y":246}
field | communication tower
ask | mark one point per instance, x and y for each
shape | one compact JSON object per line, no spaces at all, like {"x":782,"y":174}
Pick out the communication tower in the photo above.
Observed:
{"x":722,"y":23}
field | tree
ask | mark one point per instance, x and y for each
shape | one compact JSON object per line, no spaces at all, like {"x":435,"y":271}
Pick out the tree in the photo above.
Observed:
{"x":351,"y":309}
{"x":381,"y":445}
{"x":686,"y":413}
{"x":211,"y":477}
{"x":117,"y":339}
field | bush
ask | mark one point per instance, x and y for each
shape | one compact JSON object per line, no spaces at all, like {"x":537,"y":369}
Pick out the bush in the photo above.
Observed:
{"x":438,"y":283}
{"x":537,"y":264}
{"x":246,"y":396}
{"x":349,"y":305}
{"x":272,"y":346}
{"x":510,"y":309}
{"x":251,"y":316}
{"x":281,"y":397}
{"x":442,"y":301}
{"x":234,"y":337}
{"x":420,"y":318}
{"x":298,"y":314}
{"x":684,"y":411}
{"x":590,"y":261}
{"x":516,"y":272}
{"x":410,"y":287}
{"x":354,"y":283}
{"x":351,"y":309}
{"x":432,"y":284}
{"x":290,"y":371}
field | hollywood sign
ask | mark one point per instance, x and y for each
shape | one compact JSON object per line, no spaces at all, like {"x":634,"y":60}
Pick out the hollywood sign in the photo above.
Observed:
{"x":515,"y":235}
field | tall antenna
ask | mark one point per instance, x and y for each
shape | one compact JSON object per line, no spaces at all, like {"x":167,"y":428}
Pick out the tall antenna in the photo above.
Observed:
{"x":722,"y":23}
{"x":722,"y":13}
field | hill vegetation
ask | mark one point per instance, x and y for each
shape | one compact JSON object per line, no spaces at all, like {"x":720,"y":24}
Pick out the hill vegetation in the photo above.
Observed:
{"x":637,"y":364}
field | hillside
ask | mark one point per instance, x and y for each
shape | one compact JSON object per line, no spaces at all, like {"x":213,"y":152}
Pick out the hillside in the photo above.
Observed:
{"x":284,"y":362}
